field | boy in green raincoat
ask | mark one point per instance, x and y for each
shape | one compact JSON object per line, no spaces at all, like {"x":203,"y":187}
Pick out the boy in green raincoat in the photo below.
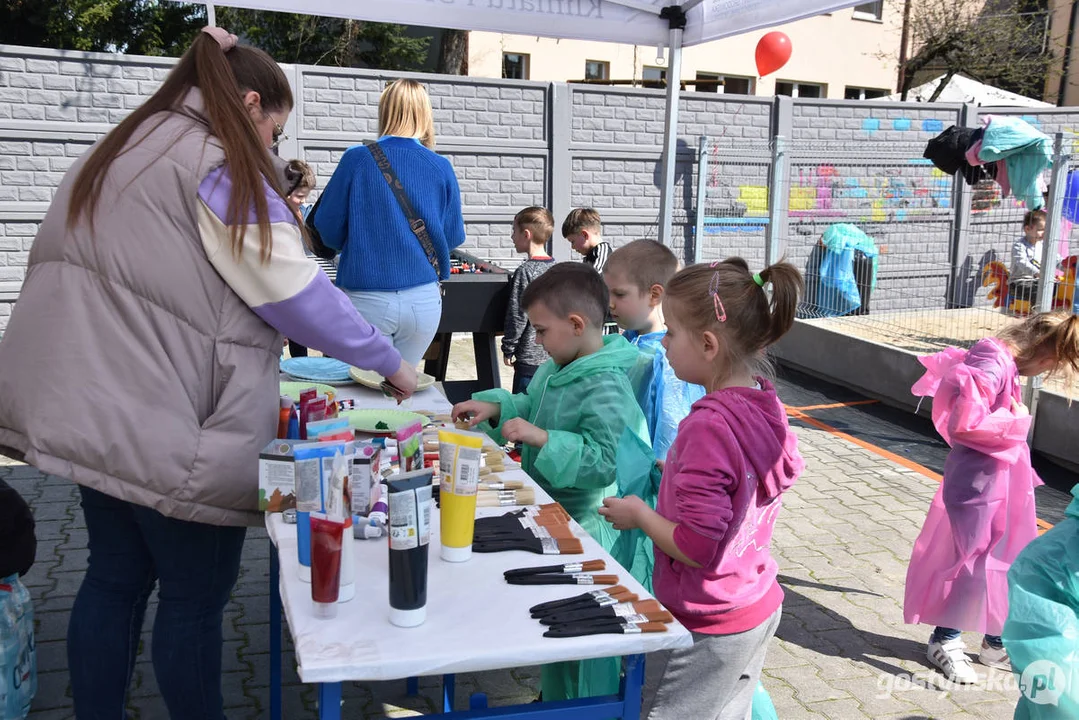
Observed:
{"x":583,"y":434}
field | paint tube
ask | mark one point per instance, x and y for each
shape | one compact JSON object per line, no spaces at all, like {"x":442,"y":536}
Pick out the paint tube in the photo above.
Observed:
{"x":459,"y":457}
{"x":327,"y":552}
{"x":410,"y":446}
{"x":283,"y":415}
{"x":338,"y":501}
{"x":410,"y":535}
{"x":308,"y":460}
{"x":311,"y":411}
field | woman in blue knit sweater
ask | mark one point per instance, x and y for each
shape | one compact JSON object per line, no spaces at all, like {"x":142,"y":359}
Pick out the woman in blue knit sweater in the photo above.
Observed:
{"x":383,"y":267}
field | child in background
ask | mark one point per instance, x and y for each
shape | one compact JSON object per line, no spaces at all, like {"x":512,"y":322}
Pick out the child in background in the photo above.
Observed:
{"x":532,"y":230}
{"x":733,"y":458}
{"x":298,"y":180}
{"x":299,"y":183}
{"x":983,"y":514}
{"x":583,"y":229}
{"x":1027,"y":258}
{"x":582,"y":432}
{"x":636,"y":275}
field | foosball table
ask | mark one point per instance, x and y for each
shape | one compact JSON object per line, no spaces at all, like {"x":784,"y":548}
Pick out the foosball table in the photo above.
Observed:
{"x":474,"y":301}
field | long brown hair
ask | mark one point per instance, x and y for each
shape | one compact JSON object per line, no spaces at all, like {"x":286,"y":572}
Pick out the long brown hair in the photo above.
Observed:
{"x":752,"y":320}
{"x":222,"y":77}
{"x":1054,"y":333}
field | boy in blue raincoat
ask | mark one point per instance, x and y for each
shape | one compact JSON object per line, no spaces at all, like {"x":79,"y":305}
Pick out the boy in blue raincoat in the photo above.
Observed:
{"x":584,"y":436}
{"x":636,"y":275}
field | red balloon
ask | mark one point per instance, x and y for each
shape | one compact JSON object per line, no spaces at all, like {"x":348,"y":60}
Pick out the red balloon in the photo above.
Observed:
{"x":773,"y":52}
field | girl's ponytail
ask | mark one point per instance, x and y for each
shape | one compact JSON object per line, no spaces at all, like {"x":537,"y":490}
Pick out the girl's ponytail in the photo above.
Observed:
{"x":1054,"y":334}
{"x":787,"y":288}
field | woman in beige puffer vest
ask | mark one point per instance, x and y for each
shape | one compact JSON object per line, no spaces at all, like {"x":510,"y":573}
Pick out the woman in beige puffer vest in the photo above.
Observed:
{"x":141,"y":362}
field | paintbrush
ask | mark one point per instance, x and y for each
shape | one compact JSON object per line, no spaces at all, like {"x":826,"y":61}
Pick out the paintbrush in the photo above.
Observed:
{"x":593,"y":598}
{"x":586,"y":566}
{"x":562,"y":532}
{"x":496,"y":483}
{"x":540,"y":546}
{"x":506,"y":498}
{"x":651,"y":610}
{"x":561,"y":579}
{"x":568,"y":631}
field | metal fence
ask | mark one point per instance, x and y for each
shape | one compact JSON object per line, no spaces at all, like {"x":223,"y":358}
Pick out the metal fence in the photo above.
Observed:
{"x":892,"y":249}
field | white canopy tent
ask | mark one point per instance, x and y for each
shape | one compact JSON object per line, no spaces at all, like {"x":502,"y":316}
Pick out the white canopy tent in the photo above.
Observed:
{"x":961,"y":89}
{"x":639,"y":22}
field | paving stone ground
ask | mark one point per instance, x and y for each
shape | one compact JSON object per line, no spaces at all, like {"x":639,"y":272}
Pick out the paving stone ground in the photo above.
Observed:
{"x":842,"y":650}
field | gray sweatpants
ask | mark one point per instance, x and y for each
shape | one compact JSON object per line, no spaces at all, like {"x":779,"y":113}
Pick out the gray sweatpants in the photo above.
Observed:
{"x":714,"y":679}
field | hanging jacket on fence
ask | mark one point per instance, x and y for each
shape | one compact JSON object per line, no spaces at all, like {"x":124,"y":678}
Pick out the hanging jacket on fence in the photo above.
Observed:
{"x":948,"y":152}
{"x":1026,"y":153}
{"x":838,"y":291}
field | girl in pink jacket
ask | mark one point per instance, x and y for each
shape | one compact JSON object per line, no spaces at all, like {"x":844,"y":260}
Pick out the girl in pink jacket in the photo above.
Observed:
{"x":733,"y":457}
{"x":983,"y":513}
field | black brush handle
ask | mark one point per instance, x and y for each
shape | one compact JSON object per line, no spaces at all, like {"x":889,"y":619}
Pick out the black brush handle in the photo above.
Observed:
{"x":551,"y":605}
{"x":545,"y":579}
{"x":540,"y":570}
{"x":581,"y":629}
{"x":576,"y":614}
{"x":528,"y":544}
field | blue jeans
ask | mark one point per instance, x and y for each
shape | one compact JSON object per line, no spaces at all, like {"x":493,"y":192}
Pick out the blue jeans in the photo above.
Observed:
{"x":410,"y":318}
{"x":943,"y":634}
{"x":195,"y":566}
{"x":522,"y":376}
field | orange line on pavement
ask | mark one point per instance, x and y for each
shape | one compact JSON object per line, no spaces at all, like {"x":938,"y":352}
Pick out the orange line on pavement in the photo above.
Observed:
{"x":835,"y":406}
{"x":798,"y":414}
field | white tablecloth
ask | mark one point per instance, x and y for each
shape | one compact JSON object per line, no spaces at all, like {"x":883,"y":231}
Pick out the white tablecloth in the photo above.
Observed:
{"x":475,"y":621}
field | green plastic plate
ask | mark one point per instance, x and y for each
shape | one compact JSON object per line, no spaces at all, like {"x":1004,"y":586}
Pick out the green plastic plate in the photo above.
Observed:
{"x":367,"y":420}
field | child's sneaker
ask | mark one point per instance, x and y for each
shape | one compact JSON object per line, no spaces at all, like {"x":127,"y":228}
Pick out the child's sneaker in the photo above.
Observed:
{"x":995,"y":657}
{"x":950,"y":657}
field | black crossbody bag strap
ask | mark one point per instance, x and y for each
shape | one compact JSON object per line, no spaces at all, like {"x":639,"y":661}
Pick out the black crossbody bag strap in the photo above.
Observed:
{"x":415,"y":222}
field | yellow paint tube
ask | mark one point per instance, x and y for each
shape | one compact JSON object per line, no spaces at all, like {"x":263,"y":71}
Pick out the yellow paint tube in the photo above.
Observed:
{"x":459,"y":456}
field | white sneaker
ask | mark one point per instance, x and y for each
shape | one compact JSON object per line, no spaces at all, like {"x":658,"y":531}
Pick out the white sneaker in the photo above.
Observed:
{"x":995,"y":657}
{"x":950,"y":657}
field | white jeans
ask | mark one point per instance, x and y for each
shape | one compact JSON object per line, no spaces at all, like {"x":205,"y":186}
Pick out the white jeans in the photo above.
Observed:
{"x":409,"y":317}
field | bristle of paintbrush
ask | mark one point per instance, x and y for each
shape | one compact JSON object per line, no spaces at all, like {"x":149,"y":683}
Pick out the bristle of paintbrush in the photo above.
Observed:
{"x":570,"y":546}
{"x":650,"y":627}
{"x":593,"y":565}
{"x":648,"y":606}
{"x":507,"y":498}
{"x":604,"y":579}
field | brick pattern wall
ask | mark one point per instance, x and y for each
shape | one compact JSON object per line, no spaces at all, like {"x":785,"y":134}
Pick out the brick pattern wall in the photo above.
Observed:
{"x":500,"y":137}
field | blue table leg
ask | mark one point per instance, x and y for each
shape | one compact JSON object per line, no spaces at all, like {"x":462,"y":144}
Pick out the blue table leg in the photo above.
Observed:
{"x":632,"y":686}
{"x":449,"y":686}
{"x":329,"y":701}
{"x":412,"y":686}
{"x":275,"y":635}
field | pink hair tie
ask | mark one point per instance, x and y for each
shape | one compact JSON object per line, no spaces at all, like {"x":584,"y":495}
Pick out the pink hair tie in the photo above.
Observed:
{"x":224,"y":38}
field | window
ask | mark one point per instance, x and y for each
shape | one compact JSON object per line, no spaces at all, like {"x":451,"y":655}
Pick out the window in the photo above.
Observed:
{"x":654,"y":77}
{"x":869,"y":11}
{"x":734,"y":85}
{"x":597,"y":70}
{"x":708,"y":82}
{"x":515,"y":66}
{"x":857,"y":93}
{"x":799,"y":89}
{"x":728,"y":84}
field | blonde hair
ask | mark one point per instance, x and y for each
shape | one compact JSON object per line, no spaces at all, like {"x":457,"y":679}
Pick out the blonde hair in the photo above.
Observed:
{"x":536,"y":219}
{"x":1049,"y":332}
{"x":752,"y":320}
{"x":405,"y":110}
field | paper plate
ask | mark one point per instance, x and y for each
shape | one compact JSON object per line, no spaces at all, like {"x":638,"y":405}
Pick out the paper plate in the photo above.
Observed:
{"x":293,"y":389}
{"x":371,"y":379}
{"x":317,"y":369}
{"x":366,"y":420}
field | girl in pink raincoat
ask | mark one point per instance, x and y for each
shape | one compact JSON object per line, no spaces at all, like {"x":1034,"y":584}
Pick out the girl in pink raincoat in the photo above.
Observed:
{"x":983,"y":513}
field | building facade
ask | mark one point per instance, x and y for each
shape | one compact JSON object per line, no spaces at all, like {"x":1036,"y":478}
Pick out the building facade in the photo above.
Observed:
{"x":848,"y":54}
